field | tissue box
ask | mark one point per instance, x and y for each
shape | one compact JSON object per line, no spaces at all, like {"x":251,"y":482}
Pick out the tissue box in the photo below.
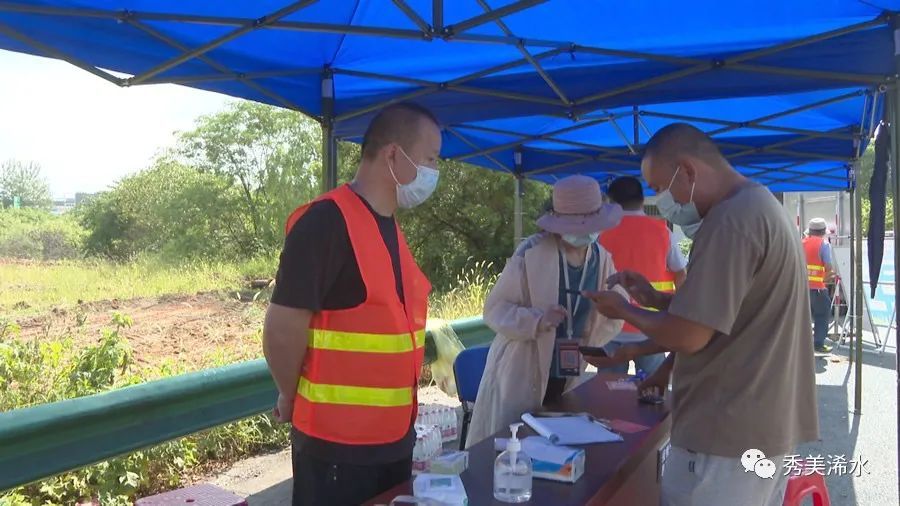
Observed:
{"x":449,"y":463}
{"x":551,"y":462}
{"x":447,"y":489}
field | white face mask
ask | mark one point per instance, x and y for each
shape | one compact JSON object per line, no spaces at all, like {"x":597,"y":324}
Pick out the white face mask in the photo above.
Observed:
{"x":580,"y":240}
{"x":419,"y":189}
{"x":685,"y":216}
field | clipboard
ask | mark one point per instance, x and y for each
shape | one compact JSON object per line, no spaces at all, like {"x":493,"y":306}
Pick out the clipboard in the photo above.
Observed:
{"x":571,"y":428}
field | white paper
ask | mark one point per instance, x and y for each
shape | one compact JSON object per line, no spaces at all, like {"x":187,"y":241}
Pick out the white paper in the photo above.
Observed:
{"x":621,"y":385}
{"x":570,"y":430}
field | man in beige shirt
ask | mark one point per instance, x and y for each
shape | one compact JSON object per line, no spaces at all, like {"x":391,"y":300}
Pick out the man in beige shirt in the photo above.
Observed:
{"x":744,"y":377}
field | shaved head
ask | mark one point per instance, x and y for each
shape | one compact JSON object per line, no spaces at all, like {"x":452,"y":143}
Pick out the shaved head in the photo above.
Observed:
{"x":402,"y":123}
{"x":680,"y":139}
{"x":684,"y":160}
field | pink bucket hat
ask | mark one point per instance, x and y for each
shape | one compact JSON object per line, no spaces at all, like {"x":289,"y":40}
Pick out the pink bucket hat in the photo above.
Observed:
{"x":578,"y":208}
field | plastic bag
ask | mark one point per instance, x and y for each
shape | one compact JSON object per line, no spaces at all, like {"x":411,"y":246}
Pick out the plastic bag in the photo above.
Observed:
{"x":448,"y":346}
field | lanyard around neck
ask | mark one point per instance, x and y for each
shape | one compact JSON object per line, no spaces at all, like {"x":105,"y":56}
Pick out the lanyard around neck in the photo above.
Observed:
{"x":572,"y":300}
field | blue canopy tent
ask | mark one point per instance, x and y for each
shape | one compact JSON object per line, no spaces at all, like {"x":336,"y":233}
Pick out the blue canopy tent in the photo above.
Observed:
{"x":791,"y":91}
{"x":585,"y":79}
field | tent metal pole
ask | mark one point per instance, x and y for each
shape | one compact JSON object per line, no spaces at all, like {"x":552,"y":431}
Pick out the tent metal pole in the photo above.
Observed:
{"x":704,"y":66}
{"x":487,"y":17}
{"x":802,"y":211}
{"x":548,"y":137}
{"x":518,"y":188}
{"x":380,"y":105}
{"x":531,"y":138}
{"x":209,"y":46}
{"x":329,"y":143}
{"x":892,"y":102}
{"x":636,"y":115}
{"x":581,"y":156}
{"x":787,"y":130}
{"x":225,"y":71}
{"x":892,"y":105}
{"x":437,"y":86}
{"x":229,"y":75}
{"x":822,"y":175}
{"x":437,"y":15}
{"x":778,"y":48}
{"x":788,"y":112}
{"x":851,"y":308}
{"x":413,"y":16}
{"x":509,"y":95}
{"x":579,"y":161}
{"x":52,"y":52}
{"x":472,"y":145}
{"x":857,"y":204}
{"x":534,"y":63}
{"x":811,"y":74}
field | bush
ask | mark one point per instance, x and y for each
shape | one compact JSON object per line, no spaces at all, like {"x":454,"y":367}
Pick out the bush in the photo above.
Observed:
{"x":38,"y":235}
{"x":36,"y":372}
{"x":171,"y":210}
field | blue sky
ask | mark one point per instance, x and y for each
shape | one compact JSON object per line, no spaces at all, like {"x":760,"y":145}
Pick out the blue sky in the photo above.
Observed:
{"x":85,"y":132}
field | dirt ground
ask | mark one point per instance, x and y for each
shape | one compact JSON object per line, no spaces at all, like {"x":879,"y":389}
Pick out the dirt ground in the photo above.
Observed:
{"x":191,"y":330}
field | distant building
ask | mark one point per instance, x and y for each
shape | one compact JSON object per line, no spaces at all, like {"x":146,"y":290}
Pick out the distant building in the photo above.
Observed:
{"x":62,"y":205}
{"x":65,"y":204}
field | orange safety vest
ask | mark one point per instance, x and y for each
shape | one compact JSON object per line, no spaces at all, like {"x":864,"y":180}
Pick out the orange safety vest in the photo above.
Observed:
{"x":359,"y":376}
{"x":815,"y":266}
{"x":641,"y":244}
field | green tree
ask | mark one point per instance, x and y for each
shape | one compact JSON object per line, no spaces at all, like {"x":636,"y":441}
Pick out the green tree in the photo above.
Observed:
{"x":469,"y":219}
{"x":169,"y":209}
{"x":272,"y":156}
{"x":25,"y":181}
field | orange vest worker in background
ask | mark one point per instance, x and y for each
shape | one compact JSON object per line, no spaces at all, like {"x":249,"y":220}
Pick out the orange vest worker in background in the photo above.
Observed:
{"x":642,"y":244}
{"x":344,"y":335}
{"x":818,"y":270}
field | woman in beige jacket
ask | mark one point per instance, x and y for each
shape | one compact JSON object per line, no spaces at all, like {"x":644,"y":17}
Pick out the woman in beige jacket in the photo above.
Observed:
{"x":534,"y":359}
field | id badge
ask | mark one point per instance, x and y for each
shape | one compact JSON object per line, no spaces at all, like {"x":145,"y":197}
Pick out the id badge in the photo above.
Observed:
{"x":567,"y":358}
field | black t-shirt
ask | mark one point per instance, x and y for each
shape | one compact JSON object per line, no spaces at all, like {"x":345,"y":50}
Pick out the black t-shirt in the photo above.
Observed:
{"x":318,"y":271}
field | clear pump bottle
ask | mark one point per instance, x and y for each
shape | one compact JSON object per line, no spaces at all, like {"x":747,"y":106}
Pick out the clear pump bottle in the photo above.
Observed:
{"x":513,"y":471}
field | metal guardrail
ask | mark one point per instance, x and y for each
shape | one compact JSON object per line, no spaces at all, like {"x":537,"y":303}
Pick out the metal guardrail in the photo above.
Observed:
{"x":49,"y":439}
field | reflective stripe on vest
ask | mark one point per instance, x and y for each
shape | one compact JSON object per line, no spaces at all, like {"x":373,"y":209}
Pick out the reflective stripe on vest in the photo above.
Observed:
{"x":358,"y":396}
{"x":815,"y":266}
{"x":641,"y":244}
{"x":361,"y":368}
{"x":356,"y":341}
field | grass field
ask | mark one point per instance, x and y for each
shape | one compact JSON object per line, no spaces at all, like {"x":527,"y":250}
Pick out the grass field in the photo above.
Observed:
{"x":30,"y":287}
{"x":75,"y":328}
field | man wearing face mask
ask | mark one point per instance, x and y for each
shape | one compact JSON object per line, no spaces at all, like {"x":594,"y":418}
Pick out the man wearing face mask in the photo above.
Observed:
{"x":740,"y":325}
{"x":344,"y":335}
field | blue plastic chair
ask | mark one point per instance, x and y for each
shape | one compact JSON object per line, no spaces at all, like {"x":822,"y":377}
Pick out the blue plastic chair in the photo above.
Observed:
{"x":468,"y":369}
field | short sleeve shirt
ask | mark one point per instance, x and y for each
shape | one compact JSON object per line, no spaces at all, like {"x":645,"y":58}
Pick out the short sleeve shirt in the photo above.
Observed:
{"x":753,"y":385}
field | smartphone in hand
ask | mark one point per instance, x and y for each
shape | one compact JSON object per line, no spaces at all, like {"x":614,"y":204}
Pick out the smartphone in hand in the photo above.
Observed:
{"x":593,"y":351}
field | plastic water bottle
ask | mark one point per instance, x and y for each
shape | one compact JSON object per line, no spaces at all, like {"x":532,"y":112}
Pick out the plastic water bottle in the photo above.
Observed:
{"x":513,"y":472}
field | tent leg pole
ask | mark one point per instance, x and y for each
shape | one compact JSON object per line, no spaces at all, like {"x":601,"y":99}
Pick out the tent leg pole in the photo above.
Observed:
{"x":329,"y":143}
{"x":858,"y":310}
{"x":518,"y":191}
{"x":893,"y":101}
{"x":517,"y":219}
{"x":851,"y":276}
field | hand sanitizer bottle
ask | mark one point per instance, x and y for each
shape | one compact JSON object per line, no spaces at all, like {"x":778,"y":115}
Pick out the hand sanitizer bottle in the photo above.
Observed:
{"x":513,"y":472}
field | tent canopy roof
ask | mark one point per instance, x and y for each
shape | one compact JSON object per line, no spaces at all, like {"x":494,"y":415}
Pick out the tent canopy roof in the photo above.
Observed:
{"x":574,"y":85}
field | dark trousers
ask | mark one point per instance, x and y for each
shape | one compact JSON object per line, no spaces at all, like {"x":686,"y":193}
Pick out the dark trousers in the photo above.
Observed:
{"x":320,"y":483}
{"x":820,"y":306}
